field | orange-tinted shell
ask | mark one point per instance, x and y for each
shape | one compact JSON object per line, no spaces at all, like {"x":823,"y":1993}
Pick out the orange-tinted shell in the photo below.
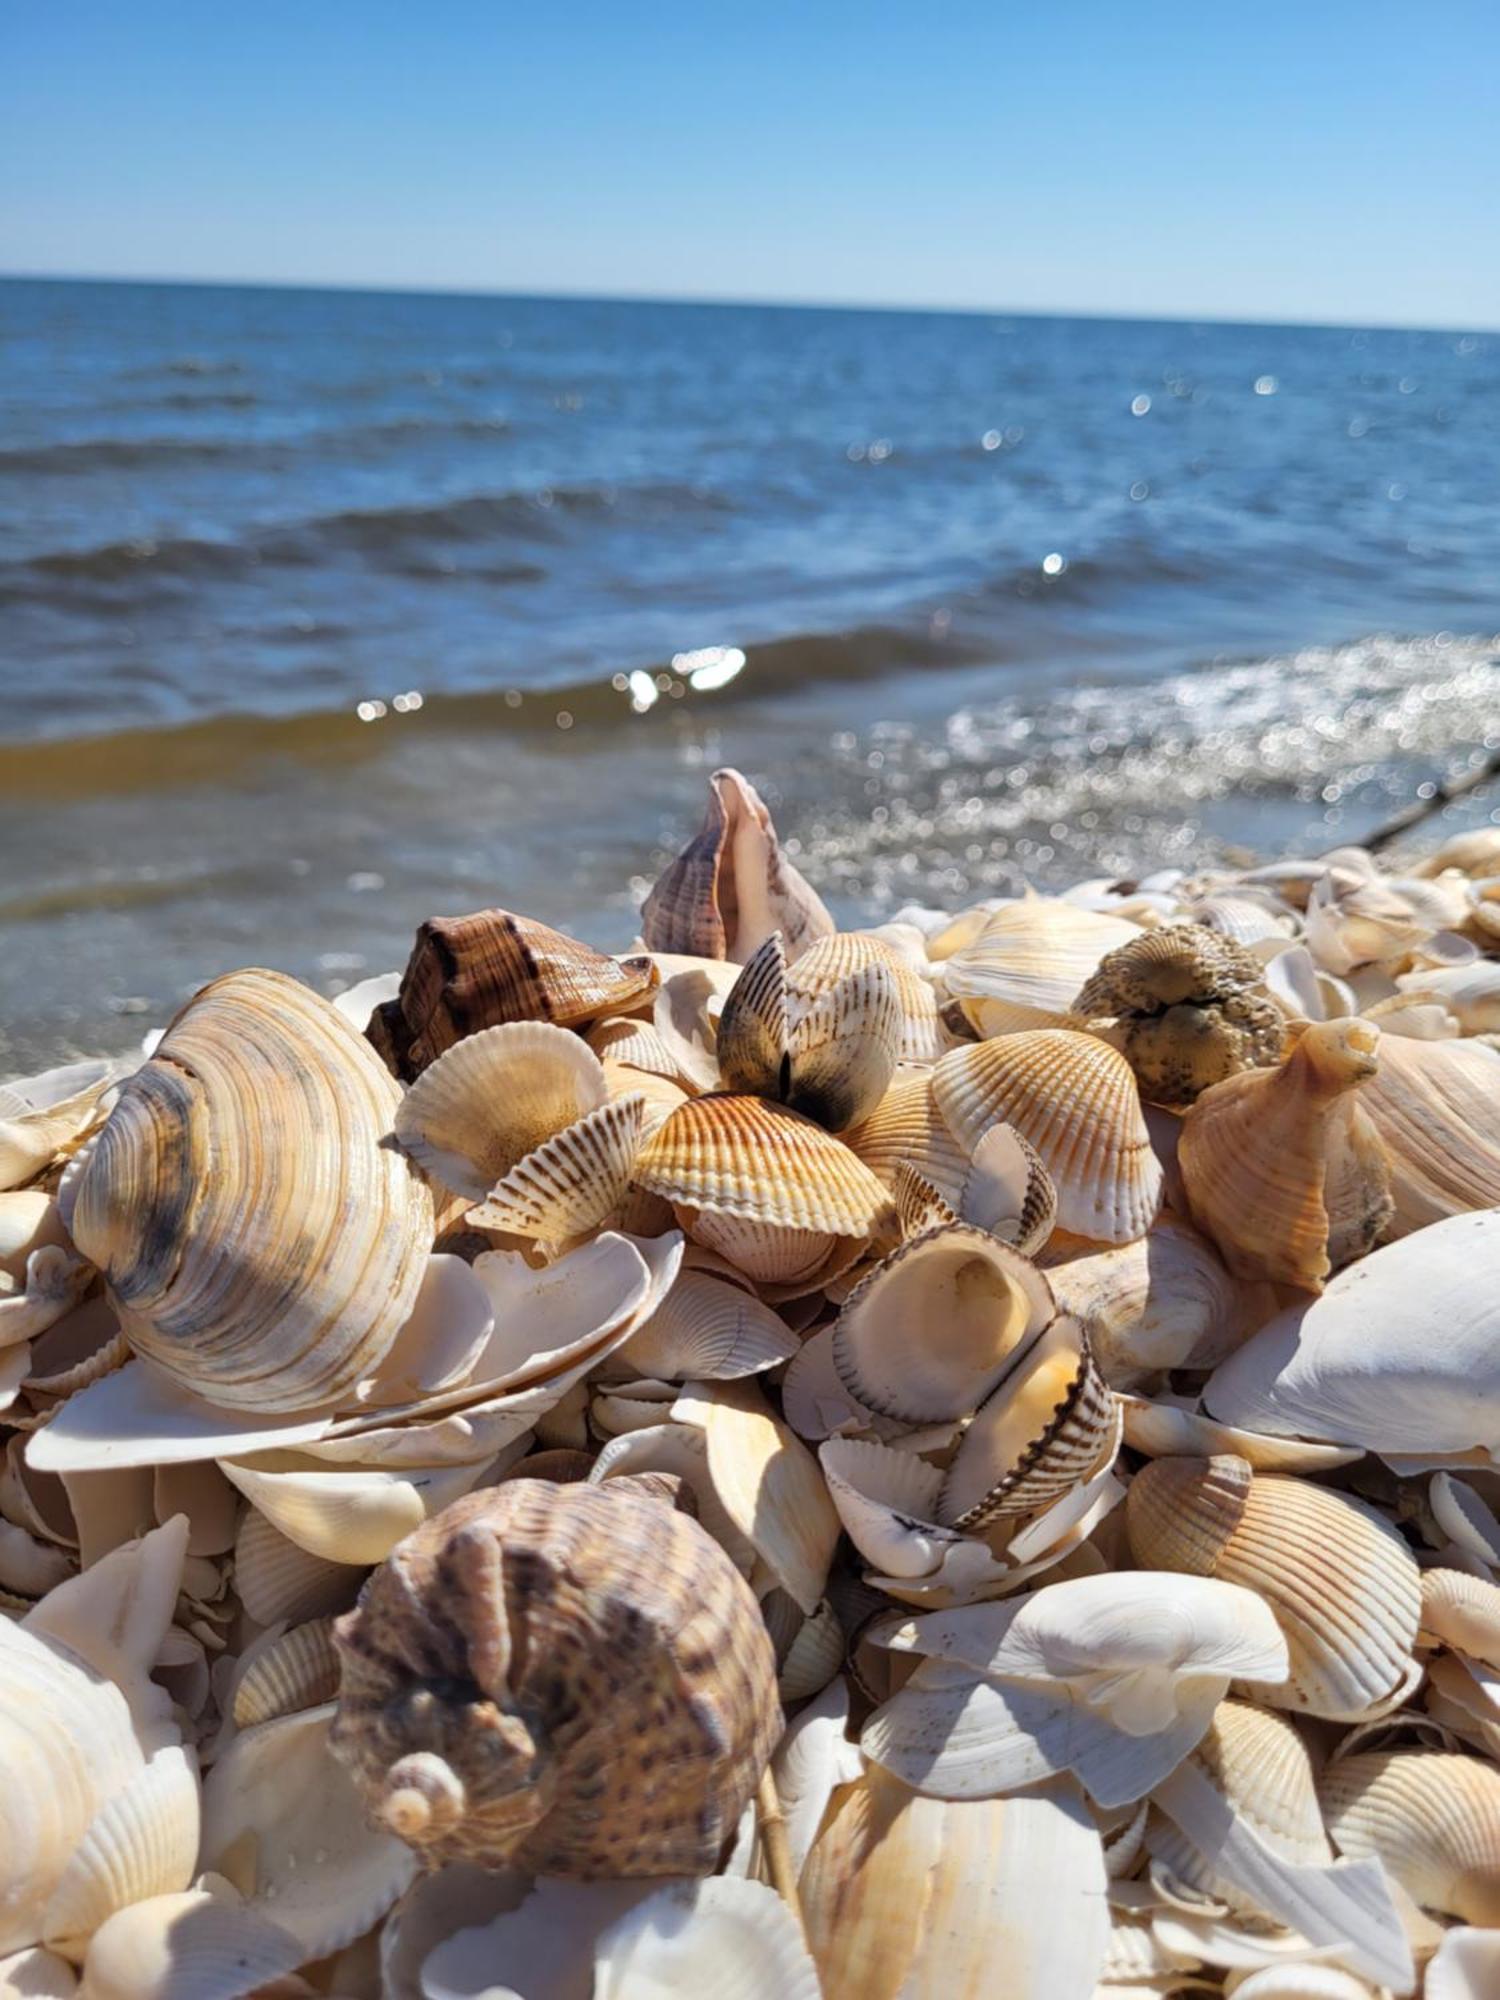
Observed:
{"x":565,"y":1679}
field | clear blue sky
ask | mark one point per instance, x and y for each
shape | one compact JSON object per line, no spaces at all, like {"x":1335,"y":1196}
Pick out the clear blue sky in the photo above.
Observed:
{"x":1331,"y":159}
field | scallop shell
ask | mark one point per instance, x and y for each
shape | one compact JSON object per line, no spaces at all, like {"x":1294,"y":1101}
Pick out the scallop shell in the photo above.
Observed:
{"x":822,"y":1040}
{"x":1436,"y":1108}
{"x":906,"y":1128}
{"x":1027,"y":964}
{"x":1074,"y":1099}
{"x":732,"y":885}
{"x":482,"y":1106}
{"x":627,"y":1701}
{"x":1283,"y":1169}
{"x":1433,"y":1819}
{"x":573,"y":1182}
{"x":1343,"y":1584}
{"x":469,"y":973}
{"x":260,"y":1243}
{"x":708,"y":1330}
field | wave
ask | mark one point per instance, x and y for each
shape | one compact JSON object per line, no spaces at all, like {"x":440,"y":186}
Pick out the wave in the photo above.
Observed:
{"x":122,"y":454}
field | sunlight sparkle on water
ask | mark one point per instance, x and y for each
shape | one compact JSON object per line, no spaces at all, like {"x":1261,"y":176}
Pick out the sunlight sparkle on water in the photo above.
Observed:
{"x":708,"y":667}
{"x":1266,"y":385}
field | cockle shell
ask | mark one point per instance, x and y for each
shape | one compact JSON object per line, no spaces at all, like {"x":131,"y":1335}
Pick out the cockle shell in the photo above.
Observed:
{"x":1283,"y":1169}
{"x":474,"y":972}
{"x":259,"y":1241}
{"x":573,"y":1680}
{"x":707,"y":1329}
{"x":769,"y":1189}
{"x":199,"y":1942}
{"x":1189,"y":1009}
{"x":907,"y":1128}
{"x":573,"y":1182}
{"x":286,"y":1671}
{"x":732,"y":885}
{"x":1027,"y":964}
{"x":1074,"y":1099}
{"x":1436,"y":1108}
{"x":1433,"y":1819}
{"x":1342,"y":1583}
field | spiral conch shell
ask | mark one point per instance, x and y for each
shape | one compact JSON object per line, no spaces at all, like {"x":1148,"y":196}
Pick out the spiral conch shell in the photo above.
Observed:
{"x":261,"y":1243}
{"x":569,"y":1680}
{"x":1283,"y":1168}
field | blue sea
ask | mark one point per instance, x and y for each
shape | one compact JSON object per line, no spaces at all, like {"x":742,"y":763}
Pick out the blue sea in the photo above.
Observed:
{"x":324,"y":611}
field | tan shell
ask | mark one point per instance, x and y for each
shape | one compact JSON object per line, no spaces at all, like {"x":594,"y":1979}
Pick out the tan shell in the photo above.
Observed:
{"x":1027,"y":964}
{"x":1462,"y":1611}
{"x":567,"y":1679}
{"x":1436,"y":1108}
{"x":1283,"y":1169}
{"x":260,"y":1243}
{"x":1074,"y":1099}
{"x":834,"y":958}
{"x":1476,"y":852}
{"x":1190,"y":1009}
{"x":468,"y":973}
{"x":732,"y":885}
{"x":906,"y":1126}
{"x":1344,"y":1586}
{"x":572,"y":1182}
{"x":1432,"y":1817}
{"x":298,"y":1669}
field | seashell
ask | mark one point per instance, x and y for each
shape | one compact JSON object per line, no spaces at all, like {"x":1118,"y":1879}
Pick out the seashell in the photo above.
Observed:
{"x":1342,"y":1583}
{"x":637,"y":1044}
{"x":1172,"y":1430}
{"x":1246,"y":917}
{"x":100,"y":1806}
{"x":1008,"y":1191}
{"x":475,"y":972}
{"x":1466,"y":1965}
{"x":195,"y":1945}
{"x":1026,"y":965}
{"x":1432,"y":1817}
{"x":814,"y":1656}
{"x":284,"y":1824}
{"x":1482,"y":901}
{"x":1436,"y":1109}
{"x":1463,"y":1612}
{"x":1356,"y":919}
{"x":490,"y":1100}
{"x":1475,"y":852}
{"x":1074,"y":1100}
{"x":572,"y":1183}
{"x":29,"y":1220}
{"x":1165,"y":1301}
{"x":297,"y":1669}
{"x":346,"y":1513}
{"x":905,"y":1895}
{"x":936,"y":1326}
{"x":1470,"y":991}
{"x":1283,"y":1169}
{"x":732,"y":885}
{"x":260,"y":1244}
{"x":55,"y":1284}
{"x":627,"y":1686}
{"x":43,"y":1118}
{"x":1189,"y":1009}
{"x":822,"y":1040}
{"x":907,"y":1129}
{"x":769,"y":1189}
{"x":278,"y":1581}
{"x":1397,"y":1356}
{"x":707,"y":1330}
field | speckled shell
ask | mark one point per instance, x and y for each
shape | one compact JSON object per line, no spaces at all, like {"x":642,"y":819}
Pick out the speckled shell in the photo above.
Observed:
{"x":732,"y":885}
{"x":1433,"y":1818}
{"x":565,"y":1679}
{"x":468,"y":973}
{"x":1075,"y":1100}
{"x":262,"y":1240}
{"x":1342,"y":1583}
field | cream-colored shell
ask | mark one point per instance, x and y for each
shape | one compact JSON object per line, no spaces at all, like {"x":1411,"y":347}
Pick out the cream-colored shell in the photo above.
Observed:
{"x":1436,"y":1108}
{"x":1432,"y":1817}
{"x":1027,"y":964}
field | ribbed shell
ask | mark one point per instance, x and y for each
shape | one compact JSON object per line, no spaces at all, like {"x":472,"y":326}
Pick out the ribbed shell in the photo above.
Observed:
{"x":1433,"y":1818}
{"x":1436,"y":1107}
{"x":298,"y":1670}
{"x":573,"y":1181}
{"x":468,"y":973}
{"x":1462,"y":1611}
{"x":907,"y":1125}
{"x":745,"y":1157}
{"x":1282,"y":1167}
{"x":261,"y":1242}
{"x":1075,"y":1100}
{"x":707,"y":1329}
{"x":1344,"y":1586}
{"x":1026,"y":966}
{"x":831,"y":959}
{"x":574,"y":1678}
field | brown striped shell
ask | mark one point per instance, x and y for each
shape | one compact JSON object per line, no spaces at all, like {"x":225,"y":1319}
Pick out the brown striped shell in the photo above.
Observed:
{"x":565,"y":1679}
{"x":468,"y":973}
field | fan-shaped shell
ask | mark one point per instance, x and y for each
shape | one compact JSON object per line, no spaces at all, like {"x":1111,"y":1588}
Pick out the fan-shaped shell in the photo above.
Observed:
{"x":574,"y":1680}
{"x":260,"y":1242}
{"x":1432,"y":1817}
{"x":297,"y":1669}
{"x":574,"y":1181}
{"x":1074,"y":1099}
{"x":906,"y":1126}
{"x":707,"y":1329}
{"x":1436,"y":1108}
{"x":1026,"y":966}
{"x":1344,"y":1586}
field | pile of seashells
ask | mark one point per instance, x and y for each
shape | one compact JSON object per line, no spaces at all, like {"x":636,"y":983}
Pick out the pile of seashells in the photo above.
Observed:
{"x":960,"y":1458}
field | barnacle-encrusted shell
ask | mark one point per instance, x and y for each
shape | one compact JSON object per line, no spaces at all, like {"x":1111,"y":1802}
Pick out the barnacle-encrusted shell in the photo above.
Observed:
{"x":468,"y":973}
{"x":572,"y":1680}
{"x":1189,"y":1007}
{"x":1433,"y":1818}
{"x":1343,"y":1584}
{"x":732,"y":885}
{"x":260,"y":1242}
{"x":1075,"y":1100}
{"x":1283,"y":1168}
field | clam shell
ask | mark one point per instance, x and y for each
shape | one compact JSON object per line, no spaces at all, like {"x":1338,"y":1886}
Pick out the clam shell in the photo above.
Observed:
{"x":708,"y":1330}
{"x":906,"y":1127}
{"x":1027,"y":964}
{"x":190,"y":1946}
{"x":1074,"y":1099}
{"x":488,"y":1101}
{"x":1343,"y":1584}
{"x":572,"y":1182}
{"x":346,"y":1513}
{"x":1433,"y":1819}
{"x":1436,"y":1108}
{"x":261,"y":1244}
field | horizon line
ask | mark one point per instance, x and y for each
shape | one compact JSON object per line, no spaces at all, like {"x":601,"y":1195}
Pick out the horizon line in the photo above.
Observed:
{"x":729,"y":302}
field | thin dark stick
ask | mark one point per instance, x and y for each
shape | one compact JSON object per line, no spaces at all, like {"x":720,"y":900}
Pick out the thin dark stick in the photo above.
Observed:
{"x":1442,"y":795}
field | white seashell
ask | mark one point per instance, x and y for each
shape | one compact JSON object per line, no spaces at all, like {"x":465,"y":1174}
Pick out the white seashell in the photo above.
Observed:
{"x":1461,"y":1513}
{"x":1470,"y":991}
{"x":346,"y":1514}
{"x":456,"y":1897}
{"x":735,"y":1937}
{"x":1028,"y":962}
{"x":29,"y":1220}
{"x":812,"y":1760}
{"x":42,"y":1118}
{"x":55,"y":1283}
{"x":708,"y":1330}
{"x":1432,"y":1817}
{"x":196,"y":1945}
{"x":1466,"y":1965}
{"x":1436,"y":1108}
{"x":1167,"y":1430}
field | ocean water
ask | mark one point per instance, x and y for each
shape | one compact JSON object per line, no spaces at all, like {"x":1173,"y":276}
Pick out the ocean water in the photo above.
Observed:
{"x":321,"y":612}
